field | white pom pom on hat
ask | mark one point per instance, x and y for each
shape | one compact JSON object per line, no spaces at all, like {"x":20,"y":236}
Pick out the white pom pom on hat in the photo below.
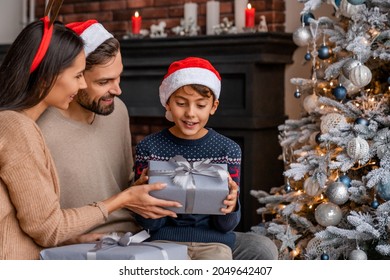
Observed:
{"x":92,"y":32}
{"x":191,"y":70}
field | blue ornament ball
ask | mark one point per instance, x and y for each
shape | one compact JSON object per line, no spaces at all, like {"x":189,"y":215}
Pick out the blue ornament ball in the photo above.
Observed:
{"x":305,"y":18}
{"x":356,"y":2}
{"x":384,"y":190}
{"x":345,"y":180}
{"x":324,"y":52}
{"x":287,"y":188}
{"x":388,"y":80}
{"x":324,"y":257}
{"x":307,"y":56}
{"x":297,"y":94}
{"x":362,"y":121}
{"x":374,"y":204}
{"x":337,"y":2}
{"x":340,"y":92}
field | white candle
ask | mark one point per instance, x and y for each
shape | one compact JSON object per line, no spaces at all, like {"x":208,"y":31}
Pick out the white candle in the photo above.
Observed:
{"x":239,"y":14}
{"x":32,"y":10}
{"x":24,"y":12}
{"x":212,"y":16}
{"x":191,"y":13}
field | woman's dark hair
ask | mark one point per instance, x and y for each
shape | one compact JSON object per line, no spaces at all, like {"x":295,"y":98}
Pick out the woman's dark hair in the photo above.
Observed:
{"x":18,"y":88}
{"x":107,"y":50}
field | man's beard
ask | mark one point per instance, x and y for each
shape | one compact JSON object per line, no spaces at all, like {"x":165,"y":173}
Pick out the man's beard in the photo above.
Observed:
{"x":96,"y":107}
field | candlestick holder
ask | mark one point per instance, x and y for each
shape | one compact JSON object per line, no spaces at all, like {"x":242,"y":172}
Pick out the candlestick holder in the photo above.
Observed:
{"x":129,"y":35}
{"x":249,"y":30}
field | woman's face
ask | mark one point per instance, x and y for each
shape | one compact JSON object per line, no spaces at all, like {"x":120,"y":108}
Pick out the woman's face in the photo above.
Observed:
{"x":67,"y":84}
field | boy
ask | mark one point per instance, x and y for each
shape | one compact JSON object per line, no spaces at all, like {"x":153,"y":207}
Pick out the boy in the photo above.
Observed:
{"x":190,"y":92}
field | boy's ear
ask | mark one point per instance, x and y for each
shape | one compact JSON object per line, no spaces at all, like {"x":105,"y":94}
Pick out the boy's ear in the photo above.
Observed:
{"x":168,"y":113}
{"x":215,"y":107}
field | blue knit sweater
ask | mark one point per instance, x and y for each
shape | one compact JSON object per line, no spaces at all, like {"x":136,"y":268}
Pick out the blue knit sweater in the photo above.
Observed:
{"x":164,"y":145}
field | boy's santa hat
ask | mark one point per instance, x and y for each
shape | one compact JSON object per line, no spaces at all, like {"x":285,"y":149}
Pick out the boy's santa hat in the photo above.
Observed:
{"x":191,"y":70}
{"x":92,"y":32}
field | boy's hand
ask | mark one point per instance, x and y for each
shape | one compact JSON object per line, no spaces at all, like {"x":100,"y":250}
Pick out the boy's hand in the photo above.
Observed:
{"x":231,"y":199}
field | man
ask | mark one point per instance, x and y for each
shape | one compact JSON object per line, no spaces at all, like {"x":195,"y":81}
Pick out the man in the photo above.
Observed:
{"x":91,"y":146}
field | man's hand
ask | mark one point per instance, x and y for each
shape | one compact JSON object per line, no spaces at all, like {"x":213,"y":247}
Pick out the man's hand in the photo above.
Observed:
{"x":231,"y":199}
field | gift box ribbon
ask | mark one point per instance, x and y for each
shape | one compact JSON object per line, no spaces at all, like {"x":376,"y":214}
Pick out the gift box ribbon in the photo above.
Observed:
{"x":183,"y":173}
{"x":127,"y":239}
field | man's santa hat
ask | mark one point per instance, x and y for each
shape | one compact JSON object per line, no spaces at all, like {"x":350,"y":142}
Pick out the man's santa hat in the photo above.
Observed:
{"x":92,"y":32}
{"x":191,"y":70}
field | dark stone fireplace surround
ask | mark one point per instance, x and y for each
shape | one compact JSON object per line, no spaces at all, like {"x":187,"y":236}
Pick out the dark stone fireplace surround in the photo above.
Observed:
{"x":251,"y":103}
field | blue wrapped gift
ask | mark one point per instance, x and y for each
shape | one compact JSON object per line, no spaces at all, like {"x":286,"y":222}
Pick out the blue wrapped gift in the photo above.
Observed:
{"x":117,"y":249}
{"x":199,"y":186}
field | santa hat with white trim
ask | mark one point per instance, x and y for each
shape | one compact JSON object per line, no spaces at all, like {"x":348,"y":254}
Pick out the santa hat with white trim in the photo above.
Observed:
{"x":92,"y":32}
{"x":191,"y":70}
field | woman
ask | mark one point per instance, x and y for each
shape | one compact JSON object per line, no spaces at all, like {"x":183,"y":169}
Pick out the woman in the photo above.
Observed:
{"x":41,"y":69}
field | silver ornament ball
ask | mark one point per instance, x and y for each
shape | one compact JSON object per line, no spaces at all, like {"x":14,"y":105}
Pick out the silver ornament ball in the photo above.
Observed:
{"x":351,"y":88}
{"x":357,"y":254}
{"x":383,"y":190}
{"x":302,"y":36}
{"x":311,"y":187}
{"x":337,"y":193}
{"x":349,"y":65}
{"x":310,"y":103}
{"x":360,"y":76}
{"x":328,"y":214}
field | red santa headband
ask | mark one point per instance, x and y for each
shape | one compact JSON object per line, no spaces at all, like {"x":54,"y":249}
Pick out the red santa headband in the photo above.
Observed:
{"x":44,"y":45}
{"x":92,"y":33}
{"x":191,"y":70}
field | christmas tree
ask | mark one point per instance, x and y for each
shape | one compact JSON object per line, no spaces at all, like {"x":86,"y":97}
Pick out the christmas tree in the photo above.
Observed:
{"x":335,"y":202}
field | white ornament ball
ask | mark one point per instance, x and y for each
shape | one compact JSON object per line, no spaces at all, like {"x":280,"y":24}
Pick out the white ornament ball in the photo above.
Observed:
{"x":302,"y":36}
{"x":337,"y":193}
{"x":311,"y":187}
{"x":348,"y":10}
{"x":357,"y":254}
{"x":358,"y":148}
{"x":310,"y":103}
{"x":360,"y":76}
{"x":331,"y":121}
{"x":328,"y":214}
{"x":349,"y":65}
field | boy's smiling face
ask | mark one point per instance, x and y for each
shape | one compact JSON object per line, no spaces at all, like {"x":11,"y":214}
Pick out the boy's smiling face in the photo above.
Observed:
{"x":190,"y":112}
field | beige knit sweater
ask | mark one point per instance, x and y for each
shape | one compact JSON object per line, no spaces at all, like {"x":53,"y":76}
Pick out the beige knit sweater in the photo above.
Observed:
{"x":30,"y":214}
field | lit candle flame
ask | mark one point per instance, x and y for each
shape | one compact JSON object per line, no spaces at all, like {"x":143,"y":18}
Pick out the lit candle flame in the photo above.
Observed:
{"x":249,"y":6}
{"x":136,"y":14}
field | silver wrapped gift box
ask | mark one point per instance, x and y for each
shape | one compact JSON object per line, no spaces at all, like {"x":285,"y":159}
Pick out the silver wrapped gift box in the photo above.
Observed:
{"x":199,"y":186}
{"x":136,"y":251}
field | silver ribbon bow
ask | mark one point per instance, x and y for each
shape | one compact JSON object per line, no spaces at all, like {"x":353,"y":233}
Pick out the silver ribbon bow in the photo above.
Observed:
{"x":183,"y":173}
{"x":128,"y":239}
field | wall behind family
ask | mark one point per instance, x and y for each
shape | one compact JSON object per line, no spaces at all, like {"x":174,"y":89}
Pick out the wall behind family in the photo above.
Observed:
{"x":281,"y":15}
